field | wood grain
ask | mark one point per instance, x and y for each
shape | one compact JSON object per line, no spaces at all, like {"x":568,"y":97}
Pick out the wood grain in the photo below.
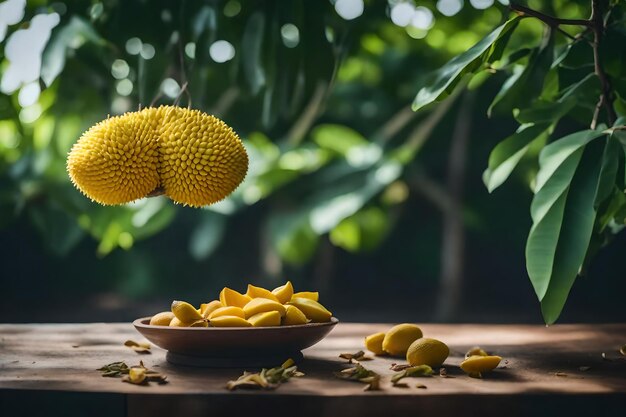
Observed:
{"x":542,"y":374}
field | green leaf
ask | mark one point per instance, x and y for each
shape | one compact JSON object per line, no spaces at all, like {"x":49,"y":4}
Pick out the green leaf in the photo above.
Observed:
{"x":71,"y":36}
{"x":337,"y":138}
{"x":608,"y":171}
{"x":507,"y":154}
{"x":207,"y":235}
{"x":557,"y":164}
{"x":523,"y":87}
{"x":364,"y":230}
{"x":252,"y":45}
{"x":543,"y":111}
{"x":577,"y":226}
{"x":446,"y":78}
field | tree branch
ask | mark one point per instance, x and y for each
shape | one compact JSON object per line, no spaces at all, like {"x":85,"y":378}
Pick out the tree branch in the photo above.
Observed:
{"x":550,"y":20}
{"x":607,"y":97}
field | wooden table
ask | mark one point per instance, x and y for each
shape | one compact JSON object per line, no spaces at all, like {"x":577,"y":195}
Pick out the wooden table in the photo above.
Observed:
{"x":50,"y":369}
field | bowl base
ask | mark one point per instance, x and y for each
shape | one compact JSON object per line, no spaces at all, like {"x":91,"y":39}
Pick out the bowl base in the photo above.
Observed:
{"x":265,"y":361}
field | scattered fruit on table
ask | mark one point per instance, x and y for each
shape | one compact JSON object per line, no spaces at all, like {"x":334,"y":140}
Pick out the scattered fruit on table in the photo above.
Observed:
{"x":475,"y":366}
{"x":475,"y":351}
{"x":137,"y":374}
{"x":355,"y":357}
{"x":398,"y":339}
{"x":258,"y":307}
{"x":194,"y":158}
{"x":426,"y":351}
{"x":374,"y":343}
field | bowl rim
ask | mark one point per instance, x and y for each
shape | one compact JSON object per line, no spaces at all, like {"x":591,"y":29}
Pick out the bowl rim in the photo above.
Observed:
{"x":140,"y":323}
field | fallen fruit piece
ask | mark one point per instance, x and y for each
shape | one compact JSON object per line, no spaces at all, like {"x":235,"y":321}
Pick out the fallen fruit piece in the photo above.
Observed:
{"x":622,"y":350}
{"x":136,"y":375}
{"x":261,"y":305}
{"x":374,"y":343}
{"x":258,"y":292}
{"x":229,"y":321}
{"x":208,"y":308}
{"x":142,"y":347}
{"x":475,"y":351}
{"x":185,"y":312}
{"x":162,"y":319}
{"x":284,"y":292}
{"x":476,"y":365}
{"x":313,"y":310}
{"x":399,"y":338}
{"x":426,"y":351}
{"x":230,"y":297}
{"x":315,"y":296}
{"x":266,"y":319}
{"x":414,"y":371}
{"x":293,"y":316}
{"x":228,"y":311}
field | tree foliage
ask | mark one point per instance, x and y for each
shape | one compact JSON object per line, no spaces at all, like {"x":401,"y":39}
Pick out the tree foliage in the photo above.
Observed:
{"x":574,"y":70}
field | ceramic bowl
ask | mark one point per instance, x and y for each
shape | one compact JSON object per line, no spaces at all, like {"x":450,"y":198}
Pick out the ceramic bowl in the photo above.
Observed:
{"x":234,"y":346}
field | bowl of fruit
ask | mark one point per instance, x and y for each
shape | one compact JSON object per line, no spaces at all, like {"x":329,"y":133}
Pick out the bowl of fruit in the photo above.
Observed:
{"x":255,"y":328}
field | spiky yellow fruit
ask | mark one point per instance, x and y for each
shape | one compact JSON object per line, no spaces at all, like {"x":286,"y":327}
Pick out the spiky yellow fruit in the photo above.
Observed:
{"x":195,"y":158}
{"x":117,"y":160}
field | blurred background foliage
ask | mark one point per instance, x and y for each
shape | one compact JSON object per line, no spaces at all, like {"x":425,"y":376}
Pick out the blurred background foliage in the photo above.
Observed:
{"x":349,"y":191}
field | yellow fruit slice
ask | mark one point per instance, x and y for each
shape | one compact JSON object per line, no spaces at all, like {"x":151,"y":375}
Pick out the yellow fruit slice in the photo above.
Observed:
{"x":228,"y":311}
{"x":185,"y":312}
{"x":284,"y":292}
{"x":198,"y":323}
{"x":475,"y":351}
{"x":313,"y":310}
{"x":230,"y":297}
{"x":162,"y":319}
{"x":229,"y":321}
{"x":399,"y":338}
{"x":425,"y":351}
{"x":315,"y":296}
{"x":258,"y":292}
{"x":261,"y":305}
{"x":476,"y":365}
{"x":374,"y":343}
{"x":293,"y":316}
{"x":267,"y":319}
{"x":206,"y":309}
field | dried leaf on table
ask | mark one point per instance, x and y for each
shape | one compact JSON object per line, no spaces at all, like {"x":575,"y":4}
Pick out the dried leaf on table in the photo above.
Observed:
{"x":361,"y":374}
{"x":267,"y":378}
{"x":139,"y":347}
{"x":414,"y":371}
{"x":399,"y":367}
{"x":357,"y":356}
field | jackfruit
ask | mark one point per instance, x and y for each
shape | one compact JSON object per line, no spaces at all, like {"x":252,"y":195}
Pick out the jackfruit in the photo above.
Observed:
{"x":194,"y":158}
